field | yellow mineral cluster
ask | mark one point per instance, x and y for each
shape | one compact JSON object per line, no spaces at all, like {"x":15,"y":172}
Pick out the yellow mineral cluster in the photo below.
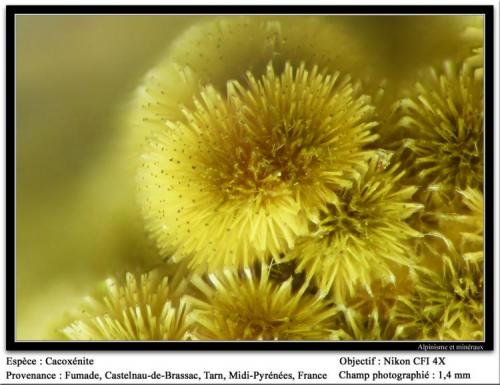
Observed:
{"x":148,"y":306}
{"x":300,"y":200}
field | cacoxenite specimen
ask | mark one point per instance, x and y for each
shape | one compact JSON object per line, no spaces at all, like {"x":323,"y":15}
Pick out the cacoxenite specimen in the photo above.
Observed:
{"x":248,"y":305}
{"x":148,"y":306}
{"x":301,"y":211}
{"x":442,"y":124}
{"x":241,"y":179}
{"x":361,"y":234}
{"x":233,"y":172}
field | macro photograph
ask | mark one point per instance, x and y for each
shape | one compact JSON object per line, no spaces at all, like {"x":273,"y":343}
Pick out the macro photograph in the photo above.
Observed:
{"x":249,"y":177}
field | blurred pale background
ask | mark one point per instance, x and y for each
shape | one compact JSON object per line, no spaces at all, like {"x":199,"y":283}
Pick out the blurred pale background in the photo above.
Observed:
{"x":77,"y":221}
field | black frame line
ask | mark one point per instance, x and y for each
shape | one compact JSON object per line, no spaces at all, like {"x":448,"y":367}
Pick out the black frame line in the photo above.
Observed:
{"x":10,"y":225}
